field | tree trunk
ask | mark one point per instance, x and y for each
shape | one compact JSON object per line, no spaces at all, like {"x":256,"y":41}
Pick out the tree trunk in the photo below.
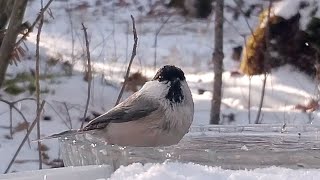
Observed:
{"x":217,"y":59}
{"x":10,"y":38}
{"x":5,"y":11}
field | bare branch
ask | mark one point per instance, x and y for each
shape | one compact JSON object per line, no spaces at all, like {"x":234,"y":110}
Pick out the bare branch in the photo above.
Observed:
{"x":12,"y":106}
{"x":25,"y":120}
{"x":156,"y":42}
{"x":7,"y":45}
{"x":72,"y":35}
{"x":30,"y":29}
{"x":68,"y":114}
{"x":11,"y":128}
{"x":245,"y":18}
{"x":21,"y":114}
{"x":266,"y":58}
{"x":58,"y":114}
{"x":133,"y":54}
{"x":89,"y":74}
{"x":23,"y":99}
{"x":25,"y":138}
{"x":249,"y":100}
{"x":37,"y":82}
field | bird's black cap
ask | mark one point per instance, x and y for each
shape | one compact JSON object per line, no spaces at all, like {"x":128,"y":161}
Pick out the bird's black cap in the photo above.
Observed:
{"x":169,"y":73}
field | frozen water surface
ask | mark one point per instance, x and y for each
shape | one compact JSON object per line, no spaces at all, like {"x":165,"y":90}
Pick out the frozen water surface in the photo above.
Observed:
{"x":231,"y":147}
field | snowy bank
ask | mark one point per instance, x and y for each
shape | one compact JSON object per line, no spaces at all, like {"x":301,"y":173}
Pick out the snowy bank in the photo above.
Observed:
{"x":192,"y":171}
{"x":167,"y":170}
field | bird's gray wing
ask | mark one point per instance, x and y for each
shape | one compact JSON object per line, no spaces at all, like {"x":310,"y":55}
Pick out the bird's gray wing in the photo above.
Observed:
{"x":132,"y":109}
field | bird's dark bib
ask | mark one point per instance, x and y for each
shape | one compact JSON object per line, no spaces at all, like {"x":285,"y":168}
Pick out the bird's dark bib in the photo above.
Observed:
{"x":172,"y":76}
{"x":175,"y":92}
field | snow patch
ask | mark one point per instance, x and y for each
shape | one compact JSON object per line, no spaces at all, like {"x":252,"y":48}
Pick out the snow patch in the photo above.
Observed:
{"x":177,"y":171}
{"x":289,"y":8}
{"x":286,"y":9}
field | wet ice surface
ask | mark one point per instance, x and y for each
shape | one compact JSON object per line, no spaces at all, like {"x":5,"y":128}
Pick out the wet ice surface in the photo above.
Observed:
{"x":231,"y":147}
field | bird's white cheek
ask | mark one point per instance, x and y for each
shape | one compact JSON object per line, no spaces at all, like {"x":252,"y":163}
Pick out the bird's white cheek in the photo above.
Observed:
{"x":154,"y":89}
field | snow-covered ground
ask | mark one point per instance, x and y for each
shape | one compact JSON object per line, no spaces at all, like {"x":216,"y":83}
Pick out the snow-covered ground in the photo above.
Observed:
{"x":197,"y":172}
{"x":168,"y":170}
{"x":184,"y":42}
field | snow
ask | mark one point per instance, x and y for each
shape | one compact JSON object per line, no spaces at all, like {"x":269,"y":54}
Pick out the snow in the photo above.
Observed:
{"x":187,"y":43}
{"x":286,"y":9}
{"x":177,"y":171}
{"x":289,"y":8}
{"x":167,"y":170}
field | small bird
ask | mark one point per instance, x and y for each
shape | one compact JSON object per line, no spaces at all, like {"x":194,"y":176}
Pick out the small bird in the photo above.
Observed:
{"x":159,"y":114}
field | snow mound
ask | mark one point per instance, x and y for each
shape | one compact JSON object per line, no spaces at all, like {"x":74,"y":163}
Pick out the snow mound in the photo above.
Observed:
{"x":289,"y":8}
{"x":192,"y":171}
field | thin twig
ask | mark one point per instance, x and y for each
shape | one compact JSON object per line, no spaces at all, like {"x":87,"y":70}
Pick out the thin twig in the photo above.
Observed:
{"x":133,"y":54}
{"x":58,"y":114}
{"x":11,"y":128}
{"x":127,"y":39}
{"x":68,"y":114}
{"x":114,"y":30}
{"x":235,"y":28}
{"x":23,"y":99}
{"x":30,"y":29}
{"x":25,"y":138}
{"x":37,"y":82}
{"x":249,"y":93}
{"x":72,"y":35}
{"x":249,"y":100}
{"x":257,"y":120}
{"x":89,"y":74}
{"x":245,"y":18}
{"x":21,"y":114}
{"x":266,"y":57}
{"x":156,"y":42}
{"x":12,"y":106}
